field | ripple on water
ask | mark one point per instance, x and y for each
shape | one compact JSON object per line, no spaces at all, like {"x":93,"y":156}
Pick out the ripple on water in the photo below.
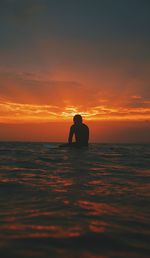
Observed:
{"x":70,"y":203}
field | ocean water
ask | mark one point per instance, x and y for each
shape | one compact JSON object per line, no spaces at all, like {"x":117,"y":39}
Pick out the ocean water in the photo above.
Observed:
{"x":71,"y":203}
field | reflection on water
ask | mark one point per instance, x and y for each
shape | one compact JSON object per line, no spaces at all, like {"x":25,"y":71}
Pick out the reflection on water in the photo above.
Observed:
{"x":74,"y":203}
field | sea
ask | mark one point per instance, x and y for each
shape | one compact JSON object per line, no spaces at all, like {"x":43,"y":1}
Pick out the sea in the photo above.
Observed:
{"x":74,"y":203}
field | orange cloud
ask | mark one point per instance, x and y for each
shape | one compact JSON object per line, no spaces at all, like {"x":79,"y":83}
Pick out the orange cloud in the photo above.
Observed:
{"x":31,"y":97}
{"x":18,"y":113}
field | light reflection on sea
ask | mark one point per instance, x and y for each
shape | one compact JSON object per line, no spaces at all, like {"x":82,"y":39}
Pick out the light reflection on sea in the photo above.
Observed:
{"x":74,"y":203}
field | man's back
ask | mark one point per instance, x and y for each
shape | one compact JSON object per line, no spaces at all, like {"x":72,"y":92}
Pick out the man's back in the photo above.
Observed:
{"x":81,"y":132}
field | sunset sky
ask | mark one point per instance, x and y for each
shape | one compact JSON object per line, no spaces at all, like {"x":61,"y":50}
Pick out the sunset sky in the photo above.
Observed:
{"x":62,"y":57}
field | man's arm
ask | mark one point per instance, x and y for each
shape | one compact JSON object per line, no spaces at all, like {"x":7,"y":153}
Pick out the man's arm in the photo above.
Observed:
{"x":88,"y":133}
{"x":71,"y":134}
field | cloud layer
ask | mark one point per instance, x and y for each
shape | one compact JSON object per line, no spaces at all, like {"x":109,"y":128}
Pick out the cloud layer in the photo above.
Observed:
{"x":26,"y":97}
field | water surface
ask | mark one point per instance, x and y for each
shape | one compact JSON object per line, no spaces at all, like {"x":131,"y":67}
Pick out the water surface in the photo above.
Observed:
{"x":74,"y":203}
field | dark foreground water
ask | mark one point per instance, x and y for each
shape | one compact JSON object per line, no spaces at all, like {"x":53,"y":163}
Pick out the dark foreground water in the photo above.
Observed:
{"x":74,"y":203}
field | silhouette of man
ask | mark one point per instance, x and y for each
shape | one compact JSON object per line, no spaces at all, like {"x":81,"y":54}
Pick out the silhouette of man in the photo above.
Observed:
{"x":80,"y":131}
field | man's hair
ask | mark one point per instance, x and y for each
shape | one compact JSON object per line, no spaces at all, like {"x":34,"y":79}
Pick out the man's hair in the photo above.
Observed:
{"x":77,"y":118}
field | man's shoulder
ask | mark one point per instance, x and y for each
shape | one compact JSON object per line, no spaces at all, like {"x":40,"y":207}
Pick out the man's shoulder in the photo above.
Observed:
{"x":72,"y":127}
{"x":85,"y":126}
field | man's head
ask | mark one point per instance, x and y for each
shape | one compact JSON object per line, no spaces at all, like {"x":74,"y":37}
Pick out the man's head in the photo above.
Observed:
{"x":77,"y":119}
